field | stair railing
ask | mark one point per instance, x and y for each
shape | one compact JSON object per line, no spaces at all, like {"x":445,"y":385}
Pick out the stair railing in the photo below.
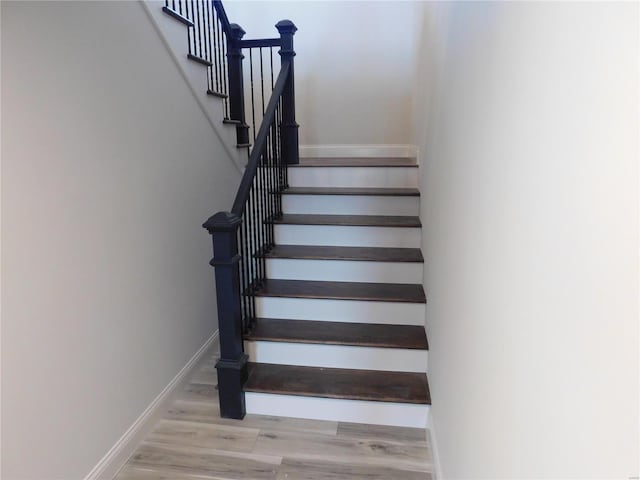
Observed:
{"x":242,"y":236}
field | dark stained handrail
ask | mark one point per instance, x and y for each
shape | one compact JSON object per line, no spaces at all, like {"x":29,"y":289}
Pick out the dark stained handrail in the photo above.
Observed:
{"x":260,"y":143}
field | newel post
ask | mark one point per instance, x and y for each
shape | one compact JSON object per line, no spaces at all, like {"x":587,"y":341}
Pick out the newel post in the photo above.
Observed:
{"x":289,"y":126}
{"x":232,"y":364}
{"x":236,"y":82}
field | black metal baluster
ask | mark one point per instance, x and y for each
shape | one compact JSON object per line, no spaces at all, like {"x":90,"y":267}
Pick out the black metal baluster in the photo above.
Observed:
{"x":223,"y":66}
{"x":180,"y":6}
{"x":265,"y":211}
{"x":210,"y":42}
{"x":243,"y":309}
{"x":262,"y":82}
{"x":199,"y":25}
{"x":253,"y":110}
{"x":247,"y":269}
{"x":174,"y":5}
{"x":259,"y":221}
{"x":191,"y":32}
{"x":269,"y":189}
{"x":215,"y":70}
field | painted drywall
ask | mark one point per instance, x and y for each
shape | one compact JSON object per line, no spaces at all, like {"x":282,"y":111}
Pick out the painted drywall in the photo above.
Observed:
{"x":529,"y":147}
{"x":109,"y":168}
{"x":353,"y":65}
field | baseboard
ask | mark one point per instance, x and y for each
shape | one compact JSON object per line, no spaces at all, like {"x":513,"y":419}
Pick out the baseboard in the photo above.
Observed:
{"x":358,"y":150}
{"x":435,"y":456}
{"x":117,"y":456}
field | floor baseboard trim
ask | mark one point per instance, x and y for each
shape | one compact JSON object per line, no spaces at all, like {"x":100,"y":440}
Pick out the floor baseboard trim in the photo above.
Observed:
{"x":117,"y":456}
{"x":358,"y":150}
{"x":435,"y":456}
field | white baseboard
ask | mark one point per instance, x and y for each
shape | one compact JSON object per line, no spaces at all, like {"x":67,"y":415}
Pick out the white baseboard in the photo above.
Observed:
{"x":435,"y":456}
{"x":108,"y":467}
{"x":358,"y":151}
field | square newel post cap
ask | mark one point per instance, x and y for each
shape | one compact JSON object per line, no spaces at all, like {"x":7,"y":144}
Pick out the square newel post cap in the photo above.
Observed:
{"x":222,"y":222}
{"x":286,"y":27}
{"x":237,"y":32}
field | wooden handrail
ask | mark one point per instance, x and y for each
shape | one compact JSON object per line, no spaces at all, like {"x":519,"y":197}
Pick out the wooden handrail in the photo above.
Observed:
{"x":261,"y":141}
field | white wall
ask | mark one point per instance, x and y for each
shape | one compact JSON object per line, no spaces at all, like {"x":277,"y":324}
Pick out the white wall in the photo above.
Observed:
{"x":354,"y":65}
{"x":529,"y":143}
{"x":109,"y":168}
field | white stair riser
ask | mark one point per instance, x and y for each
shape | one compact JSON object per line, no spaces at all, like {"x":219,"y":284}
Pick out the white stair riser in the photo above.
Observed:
{"x":351,"y":205}
{"x":352,"y":311}
{"x":348,"y":236}
{"x":344,"y":270}
{"x":339,"y":410}
{"x":337,"y":356}
{"x":353,"y":177}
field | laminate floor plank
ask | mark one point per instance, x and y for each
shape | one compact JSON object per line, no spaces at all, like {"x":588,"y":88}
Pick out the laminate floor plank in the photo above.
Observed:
{"x":209,"y":463}
{"x":204,"y":435}
{"x":199,"y":392}
{"x":330,"y":470}
{"x":382,"y":432}
{"x":328,"y":448}
{"x":210,"y":413}
{"x":146,"y":473}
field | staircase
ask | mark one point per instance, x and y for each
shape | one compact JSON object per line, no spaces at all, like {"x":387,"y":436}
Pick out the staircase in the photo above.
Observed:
{"x":318,"y":266}
{"x":340,"y":329}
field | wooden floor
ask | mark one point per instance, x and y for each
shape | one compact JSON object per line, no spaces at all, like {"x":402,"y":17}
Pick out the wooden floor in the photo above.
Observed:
{"x":193,"y":443}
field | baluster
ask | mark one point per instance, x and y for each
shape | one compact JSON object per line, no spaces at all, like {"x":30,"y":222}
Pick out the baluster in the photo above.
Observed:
{"x":191,"y":38}
{"x":224,"y":79}
{"x":253,"y":110}
{"x":262,"y":82}
{"x":210,"y":45}
{"x":215,"y":70}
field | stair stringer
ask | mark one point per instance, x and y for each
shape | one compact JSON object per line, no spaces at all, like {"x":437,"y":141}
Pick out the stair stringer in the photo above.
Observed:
{"x":174,"y":37}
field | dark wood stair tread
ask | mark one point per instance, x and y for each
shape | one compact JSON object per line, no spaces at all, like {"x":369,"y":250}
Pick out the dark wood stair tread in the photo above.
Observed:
{"x":213,"y":93}
{"x":372,"y":254}
{"x":200,"y":60}
{"x":339,"y":333}
{"x":356,"y":162}
{"x":349,"y":220}
{"x":378,"y":292}
{"x":178,"y":16}
{"x":390,"y":192}
{"x":371,"y":385}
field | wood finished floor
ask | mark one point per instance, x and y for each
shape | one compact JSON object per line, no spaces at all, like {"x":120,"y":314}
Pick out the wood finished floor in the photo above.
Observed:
{"x":192,"y":442}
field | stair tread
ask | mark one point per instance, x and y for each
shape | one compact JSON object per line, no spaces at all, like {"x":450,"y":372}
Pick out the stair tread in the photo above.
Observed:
{"x":393,"y":192}
{"x":375,"y":254}
{"x":200,"y":60}
{"x":371,"y":385}
{"x":349,"y":220}
{"x":356,"y":162}
{"x":339,"y":333}
{"x":380,"y":292}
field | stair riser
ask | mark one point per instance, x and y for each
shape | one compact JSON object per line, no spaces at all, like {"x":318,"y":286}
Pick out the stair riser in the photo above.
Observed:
{"x":348,"y":236}
{"x":356,"y":411}
{"x":352,"y":311}
{"x":337,"y":356}
{"x":351,"y":205}
{"x":387,"y":177}
{"x":344,"y":270}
